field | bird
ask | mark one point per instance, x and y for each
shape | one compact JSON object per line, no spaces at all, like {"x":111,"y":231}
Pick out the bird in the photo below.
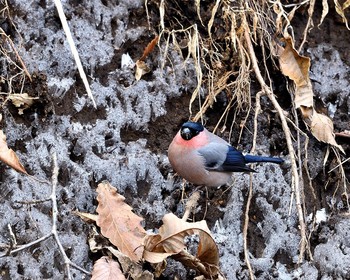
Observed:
{"x":203,"y":158}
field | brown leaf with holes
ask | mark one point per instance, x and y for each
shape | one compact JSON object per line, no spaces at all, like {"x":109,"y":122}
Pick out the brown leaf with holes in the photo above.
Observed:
{"x":118,"y":223}
{"x":8,"y":156}
{"x":107,"y":269}
{"x":170,"y":241}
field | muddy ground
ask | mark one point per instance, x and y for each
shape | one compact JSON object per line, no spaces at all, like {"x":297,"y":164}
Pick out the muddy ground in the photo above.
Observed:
{"x":125,"y":139}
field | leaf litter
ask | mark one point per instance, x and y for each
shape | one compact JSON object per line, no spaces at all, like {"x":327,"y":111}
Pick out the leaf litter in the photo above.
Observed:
{"x":134,"y":244}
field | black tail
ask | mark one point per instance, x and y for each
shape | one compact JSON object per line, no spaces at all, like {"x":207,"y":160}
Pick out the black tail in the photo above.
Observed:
{"x":251,"y":159}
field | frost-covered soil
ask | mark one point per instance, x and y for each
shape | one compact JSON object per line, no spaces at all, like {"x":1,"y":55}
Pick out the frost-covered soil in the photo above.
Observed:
{"x":125,"y":139}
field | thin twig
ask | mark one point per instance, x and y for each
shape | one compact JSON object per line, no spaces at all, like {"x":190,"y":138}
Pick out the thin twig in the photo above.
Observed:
{"x":34,"y":201}
{"x":24,"y":68}
{"x":28,"y":245}
{"x":67,"y":262}
{"x":54,"y":232}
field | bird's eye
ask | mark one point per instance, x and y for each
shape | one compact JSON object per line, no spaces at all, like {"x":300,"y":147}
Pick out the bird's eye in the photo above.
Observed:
{"x":186,"y":133}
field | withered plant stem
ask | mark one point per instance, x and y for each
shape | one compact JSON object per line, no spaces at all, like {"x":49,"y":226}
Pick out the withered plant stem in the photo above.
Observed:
{"x":295,"y":176}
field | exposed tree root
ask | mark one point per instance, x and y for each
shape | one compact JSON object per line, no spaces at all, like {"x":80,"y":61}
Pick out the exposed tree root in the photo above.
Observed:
{"x":295,"y":176}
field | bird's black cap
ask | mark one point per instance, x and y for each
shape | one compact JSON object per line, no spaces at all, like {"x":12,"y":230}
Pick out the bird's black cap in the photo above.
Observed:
{"x":190,"y":130}
{"x":193,"y":126}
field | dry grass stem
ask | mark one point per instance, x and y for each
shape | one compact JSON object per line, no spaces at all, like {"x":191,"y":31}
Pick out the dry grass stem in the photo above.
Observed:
{"x":74,"y":50}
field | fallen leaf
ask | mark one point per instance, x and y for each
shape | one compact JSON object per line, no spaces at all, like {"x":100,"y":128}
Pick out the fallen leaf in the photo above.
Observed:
{"x":118,"y":223}
{"x":149,"y":48}
{"x":21,"y":100}
{"x":132,"y":268}
{"x":8,"y":156}
{"x":325,"y":10}
{"x":96,"y":240}
{"x":141,"y":69}
{"x":141,"y":66}
{"x":107,"y":269}
{"x":170,"y":241}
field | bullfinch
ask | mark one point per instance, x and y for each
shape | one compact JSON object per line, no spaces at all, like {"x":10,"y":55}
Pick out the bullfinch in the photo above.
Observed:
{"x":204,"y":158}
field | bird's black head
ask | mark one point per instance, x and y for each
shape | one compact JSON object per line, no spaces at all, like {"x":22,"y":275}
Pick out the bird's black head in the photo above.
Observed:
{"x":190,"y":130}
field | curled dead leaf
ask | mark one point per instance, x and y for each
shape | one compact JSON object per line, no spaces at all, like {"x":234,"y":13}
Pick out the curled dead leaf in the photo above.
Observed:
{"x":340,"y":11}
{"x":322,"y":128}
{"x":107,"y":269}
{"x":141,"y":69}
{"x":293,"y":65}
{"x":170,"y":241}
{"x":8,"y":156}
{"x":118,"y":223}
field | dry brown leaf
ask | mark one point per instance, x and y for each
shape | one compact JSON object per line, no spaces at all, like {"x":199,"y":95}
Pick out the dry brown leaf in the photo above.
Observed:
{"x":118,"y":223}
{"x":141,"y":69}
{"x":293,"y":65}
{"x":296,"y":67}
{"x":322,"y":129}
{"x":132,"y":268}
{"x":170,"y":241}
{"x":22,"y":101}
{"x":107,"y":269}
{"x":149,"y":48}
{"x":141,"y":66}
{"x":8,"y":156}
